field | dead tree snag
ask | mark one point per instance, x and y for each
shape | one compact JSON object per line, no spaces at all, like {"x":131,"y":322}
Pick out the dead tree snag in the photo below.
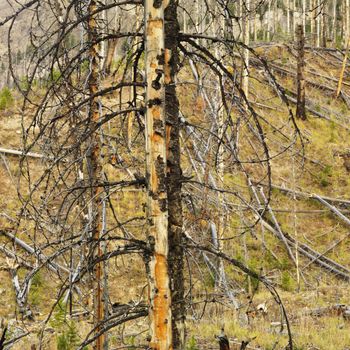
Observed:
{"x":300,"y":111}
{"x":156,"y":160}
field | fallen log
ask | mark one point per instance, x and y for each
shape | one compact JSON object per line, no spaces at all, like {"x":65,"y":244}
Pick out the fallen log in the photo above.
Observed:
{"x":328,"y":249}
{"x":52,"y":265}
{"x":314,"y":256}
{"x":317,"y":258}
{"x":326,"y":49}
{"x":345,"y":98}
{"x":333,"y":210}
{"x":280,"y":68}
{"x":333,"y":310}
{"x":303,"y":194}
{"x":315,"y":84}
{"x":317,"y":113}
{"x":309,"y":107}
{"x":15,"y":152}
{"x":279,"y":231}
{"x":326,"y":77}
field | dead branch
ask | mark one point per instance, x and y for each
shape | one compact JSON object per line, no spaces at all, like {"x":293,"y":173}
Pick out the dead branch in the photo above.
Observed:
{"x":317,"y":258}
{"x":11,"y":254}
{"x":333,"y":210}
{"x":21,"y":153}
{"x":52,"y":265}
{"x":303,"y":194}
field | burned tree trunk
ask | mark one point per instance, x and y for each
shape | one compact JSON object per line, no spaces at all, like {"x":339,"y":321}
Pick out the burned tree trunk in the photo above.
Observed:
{"x":300,"y":111}
{"x":112,"y":44}
{"x":3,"y":336}
{"x":246,"y":35}
{"x":95,"y":170}
{"x":174,"y":176}
{"x":324,"y":23}
{"x":156,"y":162}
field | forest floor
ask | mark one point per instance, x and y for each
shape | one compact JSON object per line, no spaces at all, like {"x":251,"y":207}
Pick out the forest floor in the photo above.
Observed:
{"x":311,"y":300}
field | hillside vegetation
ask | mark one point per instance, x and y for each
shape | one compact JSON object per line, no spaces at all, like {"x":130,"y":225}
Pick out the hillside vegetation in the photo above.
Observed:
{"x":317,"y":166}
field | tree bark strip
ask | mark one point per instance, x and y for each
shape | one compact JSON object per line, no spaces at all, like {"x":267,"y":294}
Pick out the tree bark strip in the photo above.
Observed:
{"x":341,"y":77}
{"x":156,"y":162}
{"x":246,"y":39}
{"x":95,"y":170}
{"x":112,"y":44}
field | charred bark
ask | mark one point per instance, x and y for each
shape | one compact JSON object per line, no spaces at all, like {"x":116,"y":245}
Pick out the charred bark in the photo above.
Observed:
{"x":95,"y":170}
{"x":174,"y":176}
{"x":300,"y":111}
{"x":3,"y":338}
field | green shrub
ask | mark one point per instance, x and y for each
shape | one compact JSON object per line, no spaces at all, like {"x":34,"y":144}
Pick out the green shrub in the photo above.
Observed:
{"x":209,"y":280}
{"x":332,"y":137}
{"x":35,"y":289}
{"x":324,"y":176}
{"x":59,"y":316}
{"x":24,"y":84}
{"x":84,"y":66}
{"x":130,"y":340}
{"x":68,"y":339}
{"x":254,"y":283}
{"x":287,"y":282}
{"x":67,"y":333}
{"x":55,"y":76}
{"x":192,"y":344}
{"x":6,"y":98}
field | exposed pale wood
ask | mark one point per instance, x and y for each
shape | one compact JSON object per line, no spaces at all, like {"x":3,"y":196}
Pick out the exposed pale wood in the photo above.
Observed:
{"x":277,"y":226}
{"x":333,"y":209}
{"x":156,"y":162}
{"x":15,"y":152}
{"x":341,"y":76}
{"x":317,"y":258}
{"x":314,"y":256}
{"x":112,"y":44}
{"x":246,"y":37}
{"x":304,"y":194}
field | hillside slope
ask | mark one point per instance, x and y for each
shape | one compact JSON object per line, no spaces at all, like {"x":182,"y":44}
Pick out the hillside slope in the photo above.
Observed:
{"x":317,"y":168}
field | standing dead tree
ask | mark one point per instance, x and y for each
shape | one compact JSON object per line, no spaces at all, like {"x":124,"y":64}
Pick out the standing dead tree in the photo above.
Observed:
{"x":174,"y":174}
{"x":81,"y":124}
{"x":300,"y":111}
{"x":156,"y":162}
{"x":95,"y":168}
